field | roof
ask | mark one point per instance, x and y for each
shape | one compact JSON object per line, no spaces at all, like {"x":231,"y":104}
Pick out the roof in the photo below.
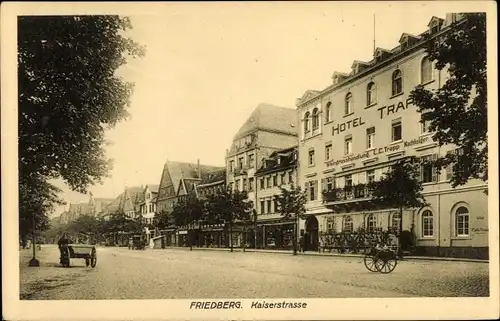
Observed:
{"x":287,"y":159}
{"x":212,"y":177}
{"x":179,"y":171}
{"x":153,"y":187}
{"x":127,"y":200}
{"x":270,"y":117}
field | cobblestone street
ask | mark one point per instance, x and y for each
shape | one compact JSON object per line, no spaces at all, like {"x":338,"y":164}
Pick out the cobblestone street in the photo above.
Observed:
{"x":178,"y":274}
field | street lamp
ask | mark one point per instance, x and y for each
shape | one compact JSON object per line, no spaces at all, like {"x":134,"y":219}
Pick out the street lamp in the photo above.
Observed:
{"x":33,"y":261}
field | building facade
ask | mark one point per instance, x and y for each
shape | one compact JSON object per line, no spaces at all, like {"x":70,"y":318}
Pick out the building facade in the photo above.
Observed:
{"x":268,"y":129}
{"x":278,"y":170}
{"x":352,"y":131}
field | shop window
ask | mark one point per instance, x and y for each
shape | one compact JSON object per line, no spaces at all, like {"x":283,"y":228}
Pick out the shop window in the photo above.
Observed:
{"x":371,"y":223}
{"x":397,"y":82}
{"x":397,"y":130}
{"x":396,"y":220}
{"x":348,"y":104}
{"x":371,"y":94}
{"x":427,"y":224}
{"x":347,"y":224}
{"x":462,"y":221}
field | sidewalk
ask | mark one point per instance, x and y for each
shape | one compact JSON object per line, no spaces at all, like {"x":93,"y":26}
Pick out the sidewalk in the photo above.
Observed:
{"x":332,"y":254}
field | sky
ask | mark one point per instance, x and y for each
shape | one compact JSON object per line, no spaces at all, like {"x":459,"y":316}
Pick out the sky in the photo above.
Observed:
{"x":207,"y":67}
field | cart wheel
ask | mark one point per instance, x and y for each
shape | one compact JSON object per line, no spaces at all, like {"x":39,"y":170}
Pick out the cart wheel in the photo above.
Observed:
{"x":370,"y":263}
{"x":93,"y":258}
{"x":386,"y":265}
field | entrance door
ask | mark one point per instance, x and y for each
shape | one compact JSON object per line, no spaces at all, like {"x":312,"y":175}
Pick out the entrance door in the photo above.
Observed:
{"x":311,"y":236}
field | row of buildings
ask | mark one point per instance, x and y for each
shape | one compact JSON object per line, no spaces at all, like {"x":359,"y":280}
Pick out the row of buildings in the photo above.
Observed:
{"x":336,"y":139}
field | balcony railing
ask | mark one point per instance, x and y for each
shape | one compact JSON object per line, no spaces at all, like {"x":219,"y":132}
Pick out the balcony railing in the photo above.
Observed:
{"x":360,"y":191}
{"x":240,"y":171}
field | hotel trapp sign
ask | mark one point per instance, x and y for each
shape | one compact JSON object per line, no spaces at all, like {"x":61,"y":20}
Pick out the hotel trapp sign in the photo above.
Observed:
{"x":378,"y":151}
{"x":383,"y":111}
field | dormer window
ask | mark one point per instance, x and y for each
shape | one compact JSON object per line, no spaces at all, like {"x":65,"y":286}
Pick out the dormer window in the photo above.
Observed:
{"x":279,"y":160}
{"x":435,"y":25}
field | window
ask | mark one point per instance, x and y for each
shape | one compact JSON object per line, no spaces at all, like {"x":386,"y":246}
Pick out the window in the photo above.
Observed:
{"x":250,"y":161}
{"x":306,"y":122}
{"x":425,"y":126}
{"x":426,"y":70}
{"x":348,"y":181}
{"x":250,"y":184}
{"x":348,"y":104}
{"x":231,"y":166}
{"x":269,"y":210}
{"x":290,"y":177}
{"x":150,"y":208}
{"x":348,"y":145}
{"x":371,"y":223}
{"x":275,"y":180}
{"x":276,"y":206}
{"x":245,"y":187}
{"x":268,"y":185}
{"x":240,"y":162}
{"x":328,"y":152}
{"x":462,"y":221}
{"x":397,"y":130}
{"x":237,"y":184}
{"x":311,"y":157}
{"x":397,"y":82}
{"x":262,"y":207}
{"x":371,"y":94}
{"x":370,"y":137}
{"x":330,"y":183}
{"x":396,"y":220}
{"x":427,"y":224}
{"x":428,"y":172}
{"x":328,"y":112}
{"x":315,"y":119}
{"x":311,"y":188}
{"x":347,"y":224}
{"x":283,"y":178}
{"x":262,"y":186}
{"x":370,"y":176}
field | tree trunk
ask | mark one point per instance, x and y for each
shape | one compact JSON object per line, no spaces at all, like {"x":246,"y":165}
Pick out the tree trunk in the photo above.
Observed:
{"x":295,"y":231}
{"x":231,"y":235}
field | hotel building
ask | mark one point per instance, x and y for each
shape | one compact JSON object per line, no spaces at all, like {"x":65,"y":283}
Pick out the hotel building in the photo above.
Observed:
{"x":353,"y":130}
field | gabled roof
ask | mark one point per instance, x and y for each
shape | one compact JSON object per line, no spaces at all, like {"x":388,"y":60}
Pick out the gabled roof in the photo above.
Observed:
{"x":433,"y":19}
{"x":270,"y":117}
{"x":215,"y":176}
{"x":358,"y":62}
{"x":407,"y":35}
{"x":179,"y":171}
{"x":309,"y":94}
{"x":382,"y":50}
{"x":152,"y":187}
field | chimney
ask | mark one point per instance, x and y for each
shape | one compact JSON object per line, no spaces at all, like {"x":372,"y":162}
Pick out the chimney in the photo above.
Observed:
{"x":199,"y":169}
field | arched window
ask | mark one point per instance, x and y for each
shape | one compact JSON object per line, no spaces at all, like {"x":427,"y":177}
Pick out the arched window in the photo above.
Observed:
{"x":347,"y":225}
{"x":315,"y":119}
{"x":426,"y":70}
{"x":396,"y":220}
{"x":397,"y":82}
{"x":462,"y":221}
{"x":306,"y":122}
{"x":348,"y":103}
{"x":427,"y":224}
{"x":371,"y":94}
{"x":328,"y":111}
{"x":371,"y":223}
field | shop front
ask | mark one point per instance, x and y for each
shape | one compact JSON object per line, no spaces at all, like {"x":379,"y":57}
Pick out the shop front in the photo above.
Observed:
{"x":275,"y":235}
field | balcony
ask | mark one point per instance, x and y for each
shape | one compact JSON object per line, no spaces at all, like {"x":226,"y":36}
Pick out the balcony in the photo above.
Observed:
{"x":352,"y":196}
{"x":240,"y":171}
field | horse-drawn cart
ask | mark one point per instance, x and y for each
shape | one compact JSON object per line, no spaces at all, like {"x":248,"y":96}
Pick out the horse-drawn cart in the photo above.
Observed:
{"x":78,"y":251}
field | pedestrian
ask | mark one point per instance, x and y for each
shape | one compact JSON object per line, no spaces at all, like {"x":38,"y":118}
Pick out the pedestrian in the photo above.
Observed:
{"x":301,"y":244}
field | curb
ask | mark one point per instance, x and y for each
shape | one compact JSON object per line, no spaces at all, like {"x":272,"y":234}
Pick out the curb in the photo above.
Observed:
{"x":406,"y":258}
